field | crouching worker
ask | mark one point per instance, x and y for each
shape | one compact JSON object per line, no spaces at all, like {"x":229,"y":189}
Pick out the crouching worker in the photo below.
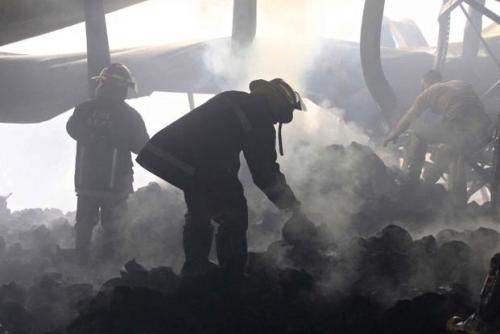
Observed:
{"x":106,"y":130}
{"x":463,"y":126}
{"x":199,"y":153}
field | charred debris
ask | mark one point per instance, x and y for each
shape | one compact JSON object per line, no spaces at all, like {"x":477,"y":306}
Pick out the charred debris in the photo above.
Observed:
{"x":301,"y":277}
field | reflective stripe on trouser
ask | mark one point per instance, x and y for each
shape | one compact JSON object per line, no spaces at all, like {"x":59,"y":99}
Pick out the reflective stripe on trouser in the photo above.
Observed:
{"x":167,"y":166}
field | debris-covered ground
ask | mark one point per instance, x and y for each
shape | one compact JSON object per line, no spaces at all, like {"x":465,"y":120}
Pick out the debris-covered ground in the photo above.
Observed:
{"x":404,"y":263}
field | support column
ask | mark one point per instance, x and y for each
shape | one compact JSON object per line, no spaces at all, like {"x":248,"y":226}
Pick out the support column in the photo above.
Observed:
{"x":444,"y":34}
{"x":98,"y":54}
{"x":244,"y":22}
{"x":191,"y":101}
{"x":471,"y":39}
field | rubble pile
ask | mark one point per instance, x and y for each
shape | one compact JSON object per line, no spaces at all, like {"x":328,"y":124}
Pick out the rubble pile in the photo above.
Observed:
{"x":388,"y":266}
{"x":48,"y":305}
{"x":302,"y":277}
{"x":350,"y":186}
{"x":30,"y":241}
{"x":383,"y":292}
{"x":378,"y":284}
{"x":34,"y":240}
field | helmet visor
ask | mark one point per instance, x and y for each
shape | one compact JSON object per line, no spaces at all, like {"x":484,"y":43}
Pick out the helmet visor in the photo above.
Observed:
{"x":116,"y":79}
{"x":299,"y":102}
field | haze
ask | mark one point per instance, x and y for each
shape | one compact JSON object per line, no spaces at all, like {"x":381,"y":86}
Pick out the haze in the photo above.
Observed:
{"x":28,"y":151}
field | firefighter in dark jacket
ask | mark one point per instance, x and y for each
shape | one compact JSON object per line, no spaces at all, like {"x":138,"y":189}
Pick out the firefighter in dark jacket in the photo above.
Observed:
{"x":106,"y":130}
{"x":200,"y":154}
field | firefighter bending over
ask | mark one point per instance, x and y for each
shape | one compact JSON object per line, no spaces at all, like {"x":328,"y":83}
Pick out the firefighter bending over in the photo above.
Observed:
{"x":463,"y":128}
{"x":199,"y":153}
{"x":106,"y":129}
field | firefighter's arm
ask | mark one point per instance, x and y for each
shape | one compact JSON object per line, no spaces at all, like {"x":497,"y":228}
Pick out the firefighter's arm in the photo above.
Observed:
{"x":418,"y":107}
{"x":139,"y":135}
{"x":260,"y":154}
{"x":78,"y":127}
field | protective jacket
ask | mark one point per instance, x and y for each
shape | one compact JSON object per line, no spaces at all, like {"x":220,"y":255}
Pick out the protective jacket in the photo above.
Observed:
{"x":459,"y":106}
{"x":106,"y":132}
{"x":208,"y":140}
{"x":450,"y":98}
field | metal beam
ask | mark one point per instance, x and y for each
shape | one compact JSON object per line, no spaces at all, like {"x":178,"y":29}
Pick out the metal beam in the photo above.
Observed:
{"x":448,"y":7}
{"x":472,"y":41}
{"x":483,"y":10}
{"x":478,"y":32}
{"x":490,"y":90}
{"x":443,"y":38}
{"x":98,"y":54}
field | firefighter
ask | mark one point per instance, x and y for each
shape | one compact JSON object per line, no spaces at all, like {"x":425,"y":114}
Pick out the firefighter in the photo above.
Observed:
{"x":106,"y":130}
{"x":463,"y":126}
{"x":485,"y":320}
{"x":199,"y":153}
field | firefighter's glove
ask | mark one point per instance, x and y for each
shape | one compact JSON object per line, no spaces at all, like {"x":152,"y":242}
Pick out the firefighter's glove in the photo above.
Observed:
{"x":299,"y":230}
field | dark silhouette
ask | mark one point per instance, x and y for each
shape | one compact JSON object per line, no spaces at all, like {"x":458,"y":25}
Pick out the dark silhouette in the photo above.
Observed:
{"x":106,"y":129}
{"x":463,"y":128}
{"x":200,"y":154}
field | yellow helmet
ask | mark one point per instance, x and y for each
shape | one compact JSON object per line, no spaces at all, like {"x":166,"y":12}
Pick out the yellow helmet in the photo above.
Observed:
{"x":117,"y":74}
{"x":282,"y":97}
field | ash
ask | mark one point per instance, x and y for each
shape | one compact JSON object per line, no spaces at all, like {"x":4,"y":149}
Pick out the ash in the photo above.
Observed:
{"x":392,"y":261}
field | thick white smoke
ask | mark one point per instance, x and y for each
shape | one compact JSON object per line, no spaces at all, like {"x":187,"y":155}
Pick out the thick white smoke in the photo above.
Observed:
{"x":287,"y":41}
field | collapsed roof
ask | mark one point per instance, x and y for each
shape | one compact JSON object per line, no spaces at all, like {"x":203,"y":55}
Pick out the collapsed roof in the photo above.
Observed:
{"x":22,"y":19}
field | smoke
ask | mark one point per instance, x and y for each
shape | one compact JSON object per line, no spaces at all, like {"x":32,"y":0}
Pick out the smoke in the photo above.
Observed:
{"x":286,"y":46}
{"x":283,"y":47}
{"x":151,"y":230}
{"x":324,"y":180}
{"x":277,"y":52}
{"x":327,"y":182}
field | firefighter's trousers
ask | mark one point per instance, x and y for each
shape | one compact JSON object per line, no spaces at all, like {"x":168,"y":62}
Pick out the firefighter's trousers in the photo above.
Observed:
{"x":216,"y":197}
{"x":90,"y":210}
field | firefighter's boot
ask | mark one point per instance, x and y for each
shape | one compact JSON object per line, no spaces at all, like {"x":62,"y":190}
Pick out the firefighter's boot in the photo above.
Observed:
{"x":197,"y":241}
{"x":231,"y":245}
